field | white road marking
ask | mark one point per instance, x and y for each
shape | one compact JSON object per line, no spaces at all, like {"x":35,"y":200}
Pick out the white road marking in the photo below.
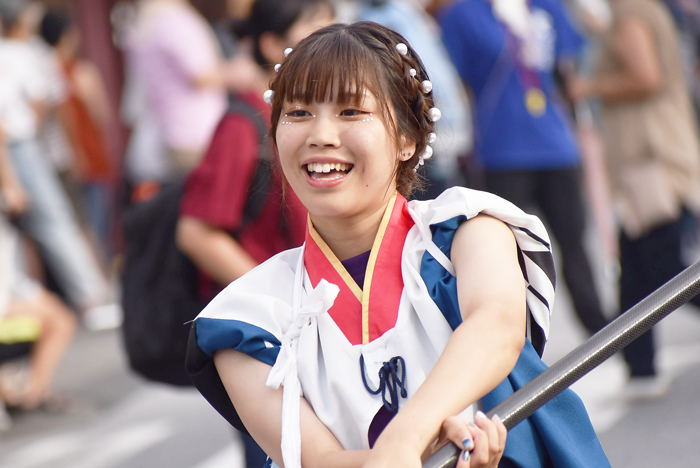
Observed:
{"x":90,"y":449}
{"x":111,"y":449}
{"x":44,"y":451}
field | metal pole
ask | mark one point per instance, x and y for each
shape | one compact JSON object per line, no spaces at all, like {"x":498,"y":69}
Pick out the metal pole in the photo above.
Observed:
{"x":611,"y":339}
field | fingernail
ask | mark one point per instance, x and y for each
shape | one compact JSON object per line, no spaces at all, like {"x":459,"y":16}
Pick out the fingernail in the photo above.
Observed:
{"x":465,"y":455}
{"x":497,"y":418}
{"x":468,"y":444}
{"x":480,"y":414}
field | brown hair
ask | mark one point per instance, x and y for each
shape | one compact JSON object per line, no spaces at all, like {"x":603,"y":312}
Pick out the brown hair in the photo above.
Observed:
{"x":344,"y":61}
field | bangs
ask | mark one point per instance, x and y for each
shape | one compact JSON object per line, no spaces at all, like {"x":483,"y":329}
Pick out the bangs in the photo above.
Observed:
{"x":339,"y":70}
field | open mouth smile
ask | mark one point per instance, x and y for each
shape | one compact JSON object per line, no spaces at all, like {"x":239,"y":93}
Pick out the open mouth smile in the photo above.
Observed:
{"x":328,"y":171}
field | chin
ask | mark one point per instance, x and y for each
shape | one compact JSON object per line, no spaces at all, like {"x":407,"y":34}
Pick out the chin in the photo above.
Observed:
{"x":330,"y":206}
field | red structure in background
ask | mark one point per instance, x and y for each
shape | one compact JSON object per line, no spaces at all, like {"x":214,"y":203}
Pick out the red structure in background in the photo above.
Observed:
{"x":93,"y":19}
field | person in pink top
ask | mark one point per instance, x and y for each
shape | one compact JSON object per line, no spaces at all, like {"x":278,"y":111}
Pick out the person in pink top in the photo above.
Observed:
{"x":177,"y":59}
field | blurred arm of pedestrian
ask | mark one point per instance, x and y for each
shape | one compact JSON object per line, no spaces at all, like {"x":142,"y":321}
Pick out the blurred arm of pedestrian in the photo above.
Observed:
{"x":640,"y":75}
{"x":239,"y":73}
{"x":67,"y":120}
{"x":212,"y":78}
{"x":91,"y":89}
{"x":13,"y":195}
{"x":213,"y":250}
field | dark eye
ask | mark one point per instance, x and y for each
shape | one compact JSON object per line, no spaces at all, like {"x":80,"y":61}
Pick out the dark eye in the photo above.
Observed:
{"x":297,"y":113}
{"x":352,"y":112}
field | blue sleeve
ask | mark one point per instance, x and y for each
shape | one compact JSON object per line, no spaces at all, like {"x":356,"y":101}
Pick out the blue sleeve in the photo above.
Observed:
{"x":210,"y":335}
{"x":218,"y":334}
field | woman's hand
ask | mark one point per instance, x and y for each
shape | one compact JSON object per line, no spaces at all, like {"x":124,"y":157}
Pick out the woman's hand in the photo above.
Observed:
{"x":482,"y":442}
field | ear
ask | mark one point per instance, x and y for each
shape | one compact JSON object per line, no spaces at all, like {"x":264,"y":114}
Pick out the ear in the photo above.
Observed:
{"x":407,"y":148}
{"x":271,"y":47}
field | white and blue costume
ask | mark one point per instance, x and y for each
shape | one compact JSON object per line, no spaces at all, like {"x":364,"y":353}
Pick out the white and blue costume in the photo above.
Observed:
{"x":305,"y":318}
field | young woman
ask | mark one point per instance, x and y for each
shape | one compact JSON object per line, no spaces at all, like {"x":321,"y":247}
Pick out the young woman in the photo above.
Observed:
{"x":394,"y":317}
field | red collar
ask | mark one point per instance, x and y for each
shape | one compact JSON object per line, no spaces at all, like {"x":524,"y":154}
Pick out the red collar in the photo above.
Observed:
{"x":364,"y":315}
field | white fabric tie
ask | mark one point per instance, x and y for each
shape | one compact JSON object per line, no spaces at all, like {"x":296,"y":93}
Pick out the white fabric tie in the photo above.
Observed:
{"x":284,"y":372}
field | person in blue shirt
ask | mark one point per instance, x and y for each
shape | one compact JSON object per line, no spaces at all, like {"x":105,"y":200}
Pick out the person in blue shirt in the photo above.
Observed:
{"x":508,"y":52}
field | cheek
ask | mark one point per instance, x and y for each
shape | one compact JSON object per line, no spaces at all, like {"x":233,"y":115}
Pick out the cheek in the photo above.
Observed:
{"x":287,"y":142}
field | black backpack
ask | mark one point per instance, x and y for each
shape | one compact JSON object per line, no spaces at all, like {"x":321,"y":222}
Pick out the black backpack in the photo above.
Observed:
{"x":159,"y":283}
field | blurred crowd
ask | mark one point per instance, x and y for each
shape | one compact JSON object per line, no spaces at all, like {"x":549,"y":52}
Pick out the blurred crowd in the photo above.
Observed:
{"x":577,"y":110}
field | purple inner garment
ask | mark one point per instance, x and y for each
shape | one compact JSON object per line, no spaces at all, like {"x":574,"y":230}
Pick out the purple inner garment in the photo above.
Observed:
{"x":357,"y":266}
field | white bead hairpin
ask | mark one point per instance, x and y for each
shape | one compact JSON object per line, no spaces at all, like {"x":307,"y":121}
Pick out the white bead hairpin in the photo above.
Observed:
{"x":288,"y":51}
{"x":277,"y":67}
{"x":428,"y":152}
{"x":432,"y":138}
{"x":427,"y":86}
{"x":435,"y":114}
{"x":268,"y":95}
{"x":412,"y":72}
{"x":402,"y":48}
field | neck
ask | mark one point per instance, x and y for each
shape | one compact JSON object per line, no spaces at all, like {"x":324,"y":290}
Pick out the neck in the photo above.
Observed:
{"x":349,"y":237}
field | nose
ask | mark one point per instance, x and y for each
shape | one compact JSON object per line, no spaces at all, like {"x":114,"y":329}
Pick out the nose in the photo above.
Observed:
{"x":324,"y":132}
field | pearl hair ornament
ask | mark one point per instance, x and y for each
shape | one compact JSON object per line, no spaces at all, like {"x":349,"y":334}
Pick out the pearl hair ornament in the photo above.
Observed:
{"x":268,"y":96}
{"x":288,"y":51}
{"x":434,"y":113}
{"x":277,"y":67}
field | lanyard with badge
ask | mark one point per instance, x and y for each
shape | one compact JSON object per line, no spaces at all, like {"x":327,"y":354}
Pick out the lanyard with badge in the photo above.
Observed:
{"x":535,"y":99}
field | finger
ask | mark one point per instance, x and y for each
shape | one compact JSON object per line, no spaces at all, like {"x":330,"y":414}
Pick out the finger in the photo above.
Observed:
{"x":489,"y":427}
{"x":455,"y":429}
{"x":502,"y":432}
{"x":465,"y":456}
{"x":479,"y":455}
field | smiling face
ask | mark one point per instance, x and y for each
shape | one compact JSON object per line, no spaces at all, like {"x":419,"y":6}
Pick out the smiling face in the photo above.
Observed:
{"x":340,"y":158}
{"x":349,"y":119}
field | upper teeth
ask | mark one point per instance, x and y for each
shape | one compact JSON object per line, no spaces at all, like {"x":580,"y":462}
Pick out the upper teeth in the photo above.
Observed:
{"x":327,"y":167}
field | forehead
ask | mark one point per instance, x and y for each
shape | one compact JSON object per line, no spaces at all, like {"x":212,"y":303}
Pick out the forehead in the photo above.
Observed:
{"x":333,"y":85}
{"x":341,"y":70}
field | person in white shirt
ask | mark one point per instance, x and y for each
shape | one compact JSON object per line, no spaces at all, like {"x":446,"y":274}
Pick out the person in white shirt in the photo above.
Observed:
{"x":49,"y":219}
